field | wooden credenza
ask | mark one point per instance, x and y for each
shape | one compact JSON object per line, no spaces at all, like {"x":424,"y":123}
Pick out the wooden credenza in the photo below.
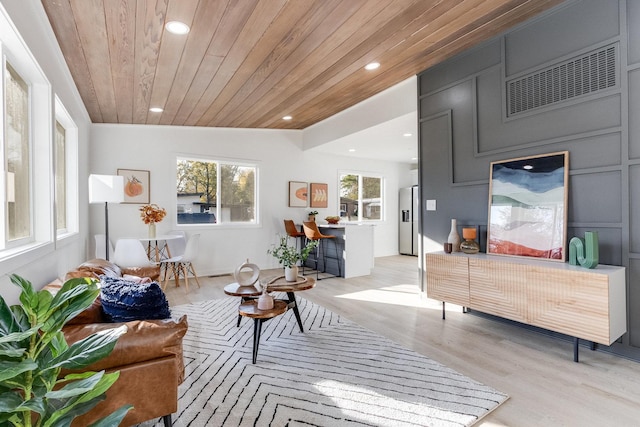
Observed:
{"x":589,"y":304}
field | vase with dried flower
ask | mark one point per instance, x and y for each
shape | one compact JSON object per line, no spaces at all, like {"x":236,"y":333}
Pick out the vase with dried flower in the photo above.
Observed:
{"x":151,"y":214}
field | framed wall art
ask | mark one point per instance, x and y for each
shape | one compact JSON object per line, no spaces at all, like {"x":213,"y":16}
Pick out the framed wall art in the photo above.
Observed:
{"x":318,"y":195}
{"x":297,"y":194}
{"x":136,"y":185}
{"x":528,"y":206}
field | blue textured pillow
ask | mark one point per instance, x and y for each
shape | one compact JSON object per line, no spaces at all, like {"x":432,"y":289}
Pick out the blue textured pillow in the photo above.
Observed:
{"x":123,"y":300}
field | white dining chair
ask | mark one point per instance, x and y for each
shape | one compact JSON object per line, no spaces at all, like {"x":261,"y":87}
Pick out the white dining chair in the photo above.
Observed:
{"x":130,"y":253}
{"x":101,"y":246}
{"x":177,"y":246}
{"x":182,"y":265}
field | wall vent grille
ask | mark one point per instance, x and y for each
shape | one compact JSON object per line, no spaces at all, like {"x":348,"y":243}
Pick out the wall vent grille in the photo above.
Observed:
{"x":586,"y":74}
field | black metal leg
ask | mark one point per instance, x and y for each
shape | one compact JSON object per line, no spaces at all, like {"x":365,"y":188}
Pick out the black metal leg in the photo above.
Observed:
{"x":257,"y":330}
{"x":576,"y":341}
{"x":293,"y":304}
{"x":443,"y":315}
{"x":239,"y":318}
{"x":167,"y":420}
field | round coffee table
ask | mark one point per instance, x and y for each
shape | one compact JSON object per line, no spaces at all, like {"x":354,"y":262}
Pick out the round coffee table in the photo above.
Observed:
{"x":250,"y":309}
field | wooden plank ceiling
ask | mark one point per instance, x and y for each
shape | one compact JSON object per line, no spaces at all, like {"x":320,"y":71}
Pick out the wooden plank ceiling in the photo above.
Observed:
{"x":248,"y":63}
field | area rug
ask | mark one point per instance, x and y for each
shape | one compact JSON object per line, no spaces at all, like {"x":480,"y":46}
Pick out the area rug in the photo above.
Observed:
{"x":336,"y":373}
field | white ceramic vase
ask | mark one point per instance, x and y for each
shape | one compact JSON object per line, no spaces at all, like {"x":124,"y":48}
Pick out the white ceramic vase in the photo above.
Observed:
{"x":291,"y":273}
{"x":152,"y":230}
{"x":454,"y":237}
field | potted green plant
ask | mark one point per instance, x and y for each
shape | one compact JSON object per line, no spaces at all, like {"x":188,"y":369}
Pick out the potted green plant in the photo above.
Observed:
{"x":312,"y":215}
{"x":289,"y":256}
{"x":33,"y":351}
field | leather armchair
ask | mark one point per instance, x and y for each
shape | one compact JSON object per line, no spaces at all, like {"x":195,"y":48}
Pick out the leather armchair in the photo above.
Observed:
{"x":148,"y":356}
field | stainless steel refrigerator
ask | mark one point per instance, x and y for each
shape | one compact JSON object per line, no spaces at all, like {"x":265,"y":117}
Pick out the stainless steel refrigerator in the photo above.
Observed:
{"x":409,"y":217}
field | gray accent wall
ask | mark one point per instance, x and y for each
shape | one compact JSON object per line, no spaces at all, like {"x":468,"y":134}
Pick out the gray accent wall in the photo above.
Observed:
{"x":464,"y":127}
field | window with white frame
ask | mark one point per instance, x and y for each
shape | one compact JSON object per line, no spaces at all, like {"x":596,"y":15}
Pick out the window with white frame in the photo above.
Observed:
{"x":65,"y":171}
{"x":361,"y":197}
{"x":26,"y":147}
{"x":216,"y":192}
{"x":17,"y":158}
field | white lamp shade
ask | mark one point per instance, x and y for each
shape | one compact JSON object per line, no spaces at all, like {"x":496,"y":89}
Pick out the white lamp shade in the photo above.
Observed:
{"x":106,"y":188}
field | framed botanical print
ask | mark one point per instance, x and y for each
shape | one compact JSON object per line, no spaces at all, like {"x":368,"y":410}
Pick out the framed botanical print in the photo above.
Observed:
{"x":528,"y":206}
{"x":297,"y":194}
{"x":136,"y":185}
{"x":318,"y":195}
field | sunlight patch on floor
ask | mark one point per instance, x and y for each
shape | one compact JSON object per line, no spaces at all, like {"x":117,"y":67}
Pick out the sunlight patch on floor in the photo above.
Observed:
{"x":407,"y":295}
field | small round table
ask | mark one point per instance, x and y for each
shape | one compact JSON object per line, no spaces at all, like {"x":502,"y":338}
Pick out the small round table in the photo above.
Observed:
{"x":250,"y":309}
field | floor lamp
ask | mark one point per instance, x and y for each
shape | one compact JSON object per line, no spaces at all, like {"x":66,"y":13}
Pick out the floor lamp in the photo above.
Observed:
{"x":106,"y":189}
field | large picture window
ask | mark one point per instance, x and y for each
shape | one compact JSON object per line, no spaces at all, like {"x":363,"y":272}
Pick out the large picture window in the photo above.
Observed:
{"x":215,"y":192}
{"x":60,"y":178}
{"x":361,"y":197}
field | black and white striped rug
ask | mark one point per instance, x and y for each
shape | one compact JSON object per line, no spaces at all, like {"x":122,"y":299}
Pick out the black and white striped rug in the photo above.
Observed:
{"x":337,"y":373}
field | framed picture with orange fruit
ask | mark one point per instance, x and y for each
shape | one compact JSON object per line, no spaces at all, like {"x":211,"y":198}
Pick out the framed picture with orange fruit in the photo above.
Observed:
{"x":136,"y":185}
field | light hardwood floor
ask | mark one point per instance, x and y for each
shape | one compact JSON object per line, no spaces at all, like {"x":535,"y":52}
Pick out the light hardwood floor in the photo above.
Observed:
{"x":545,"y":386}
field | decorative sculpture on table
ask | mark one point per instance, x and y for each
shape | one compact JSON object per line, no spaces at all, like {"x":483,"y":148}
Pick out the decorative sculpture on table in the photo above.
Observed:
{"x":585,"y":252}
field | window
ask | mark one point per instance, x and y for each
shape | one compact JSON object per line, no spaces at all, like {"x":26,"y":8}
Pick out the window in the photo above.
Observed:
{"x":65,"y":141}
{"x":17,"y":158}
{"x":215,"y":192}
{"x":60,"y":178}
{"x":361,"y":197}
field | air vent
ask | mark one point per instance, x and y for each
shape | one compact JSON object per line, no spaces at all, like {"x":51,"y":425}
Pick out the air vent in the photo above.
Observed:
{"x":589,"y":73}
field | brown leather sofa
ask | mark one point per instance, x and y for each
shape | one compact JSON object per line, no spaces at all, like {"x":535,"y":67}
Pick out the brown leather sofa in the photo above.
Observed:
{"x":148,"y":356}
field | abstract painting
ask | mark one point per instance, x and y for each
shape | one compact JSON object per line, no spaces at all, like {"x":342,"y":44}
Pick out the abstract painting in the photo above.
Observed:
{"x":528,"y":206}
{"x":297,"y":194}
{"x":318,"y":194}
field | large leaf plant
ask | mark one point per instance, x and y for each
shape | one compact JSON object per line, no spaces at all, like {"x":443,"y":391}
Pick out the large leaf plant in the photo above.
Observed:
{"x":33,"y":351}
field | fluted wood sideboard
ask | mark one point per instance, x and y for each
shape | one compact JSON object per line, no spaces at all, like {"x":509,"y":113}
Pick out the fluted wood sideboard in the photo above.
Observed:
{"x":587,"y":304}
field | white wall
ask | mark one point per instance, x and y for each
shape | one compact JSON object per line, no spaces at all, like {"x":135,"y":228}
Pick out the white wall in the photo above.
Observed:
{"x":280,"y":158}
{"x":53,"y":259}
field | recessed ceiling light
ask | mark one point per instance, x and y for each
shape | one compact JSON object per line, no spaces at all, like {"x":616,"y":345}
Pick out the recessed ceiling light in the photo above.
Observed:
{"x":352,"y":150}
{"x":287,"y":118}
{"x":372,"y":66}
{"x":177,"y":27}
{"x":156,"y":110}
{"x":407,"y":134}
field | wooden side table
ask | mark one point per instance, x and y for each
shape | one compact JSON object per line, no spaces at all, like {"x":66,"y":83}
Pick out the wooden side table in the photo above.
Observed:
{"x":250,"y":309}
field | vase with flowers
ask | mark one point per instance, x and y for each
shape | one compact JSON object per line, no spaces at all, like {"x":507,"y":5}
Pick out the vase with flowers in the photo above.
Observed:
{"x":151,"y":214}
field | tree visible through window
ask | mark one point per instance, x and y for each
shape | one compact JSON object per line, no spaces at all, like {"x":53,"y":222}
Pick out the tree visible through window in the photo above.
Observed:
{"x":215,"y":192}
{"x":360,"y":197}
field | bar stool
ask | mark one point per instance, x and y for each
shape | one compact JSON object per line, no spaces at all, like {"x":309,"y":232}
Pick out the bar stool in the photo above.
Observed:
{"x":312,"y":232}
{"x":292,"y":231}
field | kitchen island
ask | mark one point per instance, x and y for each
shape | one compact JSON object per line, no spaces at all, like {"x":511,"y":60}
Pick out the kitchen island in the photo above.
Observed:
{"x":355,"y":250}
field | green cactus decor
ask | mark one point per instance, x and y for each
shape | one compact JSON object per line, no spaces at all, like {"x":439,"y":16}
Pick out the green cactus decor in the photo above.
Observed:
{"x":584,"y":252}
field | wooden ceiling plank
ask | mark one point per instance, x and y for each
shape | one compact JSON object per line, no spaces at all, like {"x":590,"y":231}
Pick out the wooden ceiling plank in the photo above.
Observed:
{"x":373,"y":47}
{"x":233,"y":22}
{"x":484,"y":28}
{"x":273,"y":48}
{"x":150,"y":18}
{"x":205,"y":23}
{"x":60,"y":16}
{"x":356,"y":29}
{"x":93,"y":37}
{"x":172,"y":47}
{"x":257,"y":24}
{"x":256,"y":88}
{"x":120,"y":21}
